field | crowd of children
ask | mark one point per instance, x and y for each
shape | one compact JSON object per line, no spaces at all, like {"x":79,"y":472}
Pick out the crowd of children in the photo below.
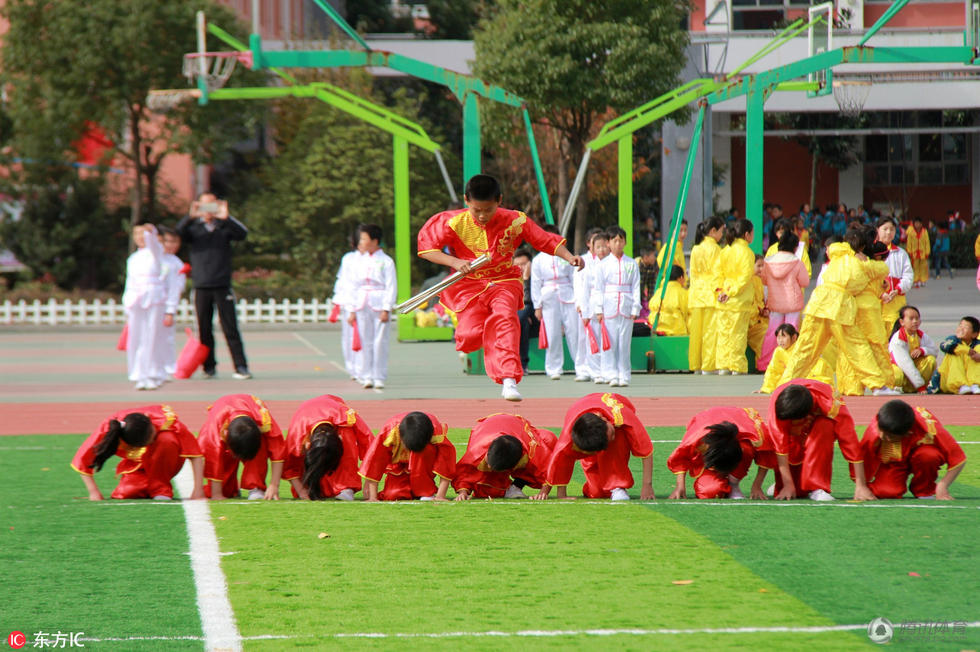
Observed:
{"x":328,"y":451}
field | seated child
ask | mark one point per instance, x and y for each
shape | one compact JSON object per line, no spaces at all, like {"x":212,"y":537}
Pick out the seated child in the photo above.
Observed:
{"x":409,"y":451}
{"x":239,"y":428}
{"x":602,"y":430}
{"x":323,"y":444}
{"x":913,"y":353}
{"x":786,"y":335}
{"x":501,"y":447}
{"x":759,"y":322}
{"x":805,"y":418}
{"x":152,"y":443}
{"x":903,"y":442}
{"x":959,"y":372}
{"x":673,"y":309}
{"x":717,"y":451}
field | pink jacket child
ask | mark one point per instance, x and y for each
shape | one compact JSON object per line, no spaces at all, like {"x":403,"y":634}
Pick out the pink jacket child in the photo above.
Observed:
{"x":785,"y":277}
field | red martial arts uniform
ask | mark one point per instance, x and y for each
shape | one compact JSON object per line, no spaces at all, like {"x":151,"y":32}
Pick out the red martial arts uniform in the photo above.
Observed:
{"x":220,"y":464}
{"x":146,"y":471}
{"x":608,"y":469}
{"x":753,"y":437}
{"x":920,"y":454}
{"x":354,"y":433}
{"x":408,"y":474}
{"x":810,"y":445}
{"x":487,"y":300}
{"x":472,"y":472}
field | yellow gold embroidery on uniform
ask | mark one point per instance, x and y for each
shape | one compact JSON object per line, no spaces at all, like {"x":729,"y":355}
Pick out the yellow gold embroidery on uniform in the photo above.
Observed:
{"x":351,"y":417}
{"x":132,"y":452}
{"x":835,"y":408}
{"x":394,"y":441}
{"x":472,"y":234}
{"x":169,"y":417}
{"x":930,"y":421}
{"x":757,"y":422}
{"x":890,"y":451}
{"x":615,"y":407}
{"x":505,"y":246}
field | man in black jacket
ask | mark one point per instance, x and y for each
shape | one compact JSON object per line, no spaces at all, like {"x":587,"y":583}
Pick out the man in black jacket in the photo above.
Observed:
{"x":209,"y":231}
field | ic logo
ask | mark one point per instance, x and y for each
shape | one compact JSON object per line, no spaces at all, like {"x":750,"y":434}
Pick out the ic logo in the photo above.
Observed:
{"x":17,"y":640}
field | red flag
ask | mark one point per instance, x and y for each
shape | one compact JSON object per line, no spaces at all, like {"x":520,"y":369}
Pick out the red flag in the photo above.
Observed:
{"x":542,"y":337}
{"x":334,"y":314}
{"x":192,"y":357}
{"x":593,"y":344}
{"x":355,"y":344}
{"x":185,"y":270}
{"x":123,"y":337}
{"x":605,"y":336}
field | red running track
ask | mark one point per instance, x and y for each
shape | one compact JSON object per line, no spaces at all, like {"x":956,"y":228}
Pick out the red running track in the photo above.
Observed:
{"x":78,"y":418}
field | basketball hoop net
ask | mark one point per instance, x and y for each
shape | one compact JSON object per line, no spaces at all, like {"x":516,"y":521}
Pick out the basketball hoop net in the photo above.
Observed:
{"x":214,"y":67}
{"x":851,"y":94}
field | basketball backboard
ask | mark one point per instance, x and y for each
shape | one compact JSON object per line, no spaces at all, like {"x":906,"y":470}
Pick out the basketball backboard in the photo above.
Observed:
{"x":820,"y":38}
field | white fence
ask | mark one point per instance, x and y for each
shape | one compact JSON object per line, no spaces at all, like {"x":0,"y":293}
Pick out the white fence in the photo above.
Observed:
{"x":84,"y":312}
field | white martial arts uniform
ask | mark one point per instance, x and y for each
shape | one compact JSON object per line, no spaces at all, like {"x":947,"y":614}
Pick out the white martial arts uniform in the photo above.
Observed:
{"x":144,"y":299}
{"x":617,"y":291}
{"x":174,"y":283}
{"x":553,"y":293}
{"x":342,"y":297}
{"x":373,"y":290}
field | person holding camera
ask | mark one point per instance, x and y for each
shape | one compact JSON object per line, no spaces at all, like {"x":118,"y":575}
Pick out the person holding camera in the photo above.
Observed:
{"x":208,"y":230}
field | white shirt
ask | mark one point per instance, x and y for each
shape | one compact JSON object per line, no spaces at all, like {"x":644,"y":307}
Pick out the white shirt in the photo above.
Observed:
{"x":173,"y":281}
{"x":552,"y":279}
{"x":342,"y":295}
{"x":582,"y":285}
{"x":617,"y":286}
{"x":372,"y":281}
{"x":900,"y":267}
{"x":144,"y":267}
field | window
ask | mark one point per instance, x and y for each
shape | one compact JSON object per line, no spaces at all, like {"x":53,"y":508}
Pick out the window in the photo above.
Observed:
{"x":923,"y":159}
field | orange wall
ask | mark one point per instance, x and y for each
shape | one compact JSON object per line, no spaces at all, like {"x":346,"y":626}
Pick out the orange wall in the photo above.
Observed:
{"x":915,"y":14}
{"x":787,"y":176}
{"x":928,"y":202}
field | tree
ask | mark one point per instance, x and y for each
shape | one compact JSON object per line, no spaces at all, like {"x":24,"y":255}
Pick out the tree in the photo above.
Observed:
{"x":334,"y":173}
{"x":572,"y":60}
{"x":455,"y":19}
{"x":95,"y":67}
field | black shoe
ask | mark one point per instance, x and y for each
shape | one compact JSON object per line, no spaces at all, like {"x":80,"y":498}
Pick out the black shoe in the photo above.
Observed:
{"x":241,"y":374}
{"x":209,"y":374}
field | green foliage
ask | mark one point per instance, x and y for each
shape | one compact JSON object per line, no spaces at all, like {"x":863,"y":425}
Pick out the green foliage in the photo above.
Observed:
{"x":67,"y":235}
{"x":455,"y":19}
{"x":961,"y":248}
{"x":375,"y":16}
{"x":334,"y":173}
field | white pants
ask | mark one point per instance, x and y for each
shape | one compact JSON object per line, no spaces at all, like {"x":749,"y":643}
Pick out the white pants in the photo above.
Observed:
{"x":371,"y":362}
{"x":581,"y":351}
{"x":144,"y":354}
{"x":346,"y":337}
{"x":594,"y":360}
{"x":168,"y":344}
{"x":616,"y":361}
{"x":558,"y":317}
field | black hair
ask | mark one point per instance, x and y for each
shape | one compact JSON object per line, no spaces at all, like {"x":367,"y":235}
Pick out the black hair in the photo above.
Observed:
{"x":135,"y":429}
{"x":855,"y":238}
{"x":589,"y":433}
{"x":244,"y":437}
{"x":676,"y":272}
{"x":616,"y":232}
{"x":710,"y":224}
{"x":504,"y":453}
{"x":591,"y":233}
{"x":787,"y":328}
{"x":896,"y":417}
{"x":373,"y":231}
{"x":741,"y":228}
{"x":602,"y":234}
{"x":163,"y":229}
{"x":789,"y":241}
{"x":901,"y":315}
{"x":416,"y":431}
{"x":645,"y":251}
{"x":322,"y":458}
{"x":794,"y":402}
{"x":782,"y":224}
{"x":522,"y":251}
{"x":724,"y":452}
{"x":483,"y":187}
{"x":886,"y":220}
{"x":973,"y":322}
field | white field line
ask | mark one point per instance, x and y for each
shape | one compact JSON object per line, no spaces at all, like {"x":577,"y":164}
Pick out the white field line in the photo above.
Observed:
{"x":217,"y":618}
{"x":318,"y":351}
{"x":531,"y":633}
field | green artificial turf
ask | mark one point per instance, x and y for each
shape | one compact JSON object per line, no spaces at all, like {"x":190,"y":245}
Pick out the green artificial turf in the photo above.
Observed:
{"x":111,"y":569}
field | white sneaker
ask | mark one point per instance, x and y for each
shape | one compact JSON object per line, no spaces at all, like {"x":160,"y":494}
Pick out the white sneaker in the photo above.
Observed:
{"x":379,"y":384}
{"x":614,"y":383}
{"x":582,"y":378}
{"x":152,"y":385}
{"x":623,"y":382}
{"x":162,"y":497}
{"x":514,"y":492}
{"x":510,"y":390}
{"x":771,"y":490}
{"x":346,"y":494}
{"x":599,"y":381}
{"x":738,"y":373}
{"x":975,"y":388}
{"x":820,"y":495}
{"x":141,"y":385}
{"x":256,"y":494}
{"x":723,"y":372}
{"x":885,"y":391}
{"x":367,"y":383}
{"x":736,"y":493}
{"x":965,"y":389}
{"x":427,"y":499}
{"x":619,"y":494}
{"x":242,"y":374}
{"x":932,"y":497}
{"x":555,"y":376}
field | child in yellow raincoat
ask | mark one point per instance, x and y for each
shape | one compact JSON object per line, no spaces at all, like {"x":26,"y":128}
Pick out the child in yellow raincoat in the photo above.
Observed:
{"x":701,"y":298}
{"x":959,"y":372}
{"x":786,"y":335}
{"x":673,"y":308}
{"x":759,"y":321}
{"x":918,"y":247}
{"x":913,"y":353}
{"x":736,"y":300}
{"x":830,"y":315}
